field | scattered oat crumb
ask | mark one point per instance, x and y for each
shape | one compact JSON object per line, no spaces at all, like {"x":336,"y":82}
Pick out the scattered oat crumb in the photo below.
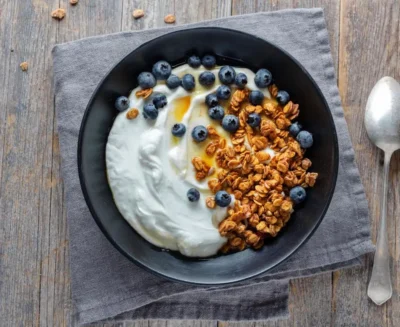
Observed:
{"x":24,"y":66}
{"x":73,"y":2}
{"x":132,"y":113}
{"x":138,"y":13}
{"x":169,"y":19}
{"x":58,"y":13}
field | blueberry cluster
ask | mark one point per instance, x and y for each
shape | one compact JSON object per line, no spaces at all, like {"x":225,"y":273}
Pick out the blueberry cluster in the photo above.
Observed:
{"x":227,"y":75}
{"x":298,"y":194}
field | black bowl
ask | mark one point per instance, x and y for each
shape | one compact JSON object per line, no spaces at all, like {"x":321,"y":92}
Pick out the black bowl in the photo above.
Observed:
{"x":240,"y":49}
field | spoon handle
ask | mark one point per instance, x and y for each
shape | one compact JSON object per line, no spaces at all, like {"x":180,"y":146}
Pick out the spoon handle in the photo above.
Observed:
{"x":380,"y":285}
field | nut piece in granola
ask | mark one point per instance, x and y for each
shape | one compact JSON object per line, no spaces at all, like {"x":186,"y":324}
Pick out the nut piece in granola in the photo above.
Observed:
{"x":58,"y":13}
{"x":169,"y":19}
{"x":73,"y":2}
{"x":138,"y":13}
{"x":24,"y":66}
{"x":132,"y":113}
{"x":145,"y":93}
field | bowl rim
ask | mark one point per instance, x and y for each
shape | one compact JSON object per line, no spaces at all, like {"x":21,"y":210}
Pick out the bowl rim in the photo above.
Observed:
{"x":156,"y":272}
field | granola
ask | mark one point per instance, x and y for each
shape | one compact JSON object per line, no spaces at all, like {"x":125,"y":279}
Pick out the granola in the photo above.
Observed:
{"x":258,"y":179}
{"x":138,"y":13}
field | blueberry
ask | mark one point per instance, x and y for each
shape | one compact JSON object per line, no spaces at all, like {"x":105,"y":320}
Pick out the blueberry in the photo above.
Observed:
{"x":227,"y":75}
{"x":150,"y":111}
{"x":241,"y":80}
{"x":208,"y":61}
{"x":173,"y":81}
{"x":223,"y":199}
{"x":216,"y":112}
{"x":146,"y":80}
{"x":160,"y":100}
{"x":230,"y":123}
{"x":211,"y":100}
{"x":254,"y":120}
{"x":256,"y":97}
{"x":178,"y":130}
{"x":194,"y":61}
{"x":282,"y":97}
{"x":161,"y":69}
{"x":223,"y":92}
{"x":207,"y":78}
{"x":188,"y":82}
{"x":298,"y":194}
{"x":263,"y":78}
{"x":305,"y":139}
{"x":193,"y":195}
{"x":122,"y":103}
{"x":295,"y":129}
{"x":199,"y":133}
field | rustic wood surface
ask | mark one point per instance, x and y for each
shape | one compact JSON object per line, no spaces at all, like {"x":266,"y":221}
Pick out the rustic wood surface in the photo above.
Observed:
{"x":34,"y":267}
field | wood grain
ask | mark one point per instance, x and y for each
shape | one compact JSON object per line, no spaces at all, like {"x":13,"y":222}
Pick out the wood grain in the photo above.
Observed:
{"x":367,"y":53}
{"x":26,"y":187}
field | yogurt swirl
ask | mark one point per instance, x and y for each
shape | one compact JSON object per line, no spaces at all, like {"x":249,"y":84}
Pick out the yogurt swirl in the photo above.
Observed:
{"x":150,"y":171}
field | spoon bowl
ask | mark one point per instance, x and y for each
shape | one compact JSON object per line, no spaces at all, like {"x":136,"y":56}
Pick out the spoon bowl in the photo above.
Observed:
{"x":382,"y":115}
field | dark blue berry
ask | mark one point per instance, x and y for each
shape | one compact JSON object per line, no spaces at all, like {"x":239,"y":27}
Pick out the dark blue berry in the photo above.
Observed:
{"x":122,"y":103}
{"x":193,"y":195}
{"x":150,"y":111}
{"x":256,"y":97}
{"x":295,"y":129}
{"x":208,"y":61}
{"x":199,"y":133}
{"x":160,"y":100}
{"x":206,"y":78}
{"x":223,"y":199}
{"x":230,"y":123}
{"x":282,"y":97}
{"x":173,"y":81}
{"x":263,"y":78}
{"x":227,"y":75}
{"x":188,"y":82}
{"x":254,"y":120}
{"x":305,"y":139}
{"x":223,"y":92}
{"x":146,"y":80}
{"x":161,"y":69}
{"x":194,"y":61}
{"x":298,"y":194}
{"x":216,"y":112}
{"x":211,"y":100}
{"x":178,"y":129}
{"x":241,"y":80}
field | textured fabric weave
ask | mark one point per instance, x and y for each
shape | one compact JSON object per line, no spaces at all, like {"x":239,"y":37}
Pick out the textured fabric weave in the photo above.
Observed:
{"x":105,"y":285}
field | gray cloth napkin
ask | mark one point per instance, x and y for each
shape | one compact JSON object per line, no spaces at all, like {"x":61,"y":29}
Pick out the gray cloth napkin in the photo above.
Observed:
{"x":105,"y":285}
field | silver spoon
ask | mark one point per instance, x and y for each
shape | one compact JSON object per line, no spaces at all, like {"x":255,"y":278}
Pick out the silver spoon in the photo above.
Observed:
{"x":382,"y":121}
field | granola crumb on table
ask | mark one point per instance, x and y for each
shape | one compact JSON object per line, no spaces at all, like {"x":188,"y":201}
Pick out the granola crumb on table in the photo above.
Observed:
{"x":58,"y":13}
{"x":259,"y":183}
{"x":169,"y":19}
{"x":24,"y":66}
{"x":138,"y":13}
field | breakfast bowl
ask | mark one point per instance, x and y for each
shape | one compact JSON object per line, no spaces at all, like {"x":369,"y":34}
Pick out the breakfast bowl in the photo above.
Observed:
{"x":197,"y":266}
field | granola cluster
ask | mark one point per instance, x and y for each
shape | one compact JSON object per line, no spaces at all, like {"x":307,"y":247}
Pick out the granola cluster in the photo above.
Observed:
{"x":260,"y":183}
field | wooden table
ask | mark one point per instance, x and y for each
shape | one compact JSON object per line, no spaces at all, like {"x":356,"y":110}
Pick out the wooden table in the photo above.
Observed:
{"x":34,"y":267}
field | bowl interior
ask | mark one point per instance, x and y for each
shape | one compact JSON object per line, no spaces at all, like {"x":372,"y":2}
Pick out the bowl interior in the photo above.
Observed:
{"x":253,"y":53}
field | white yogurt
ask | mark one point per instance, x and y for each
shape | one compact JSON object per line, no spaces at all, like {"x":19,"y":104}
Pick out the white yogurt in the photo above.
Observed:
{"x":149,"y":172}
